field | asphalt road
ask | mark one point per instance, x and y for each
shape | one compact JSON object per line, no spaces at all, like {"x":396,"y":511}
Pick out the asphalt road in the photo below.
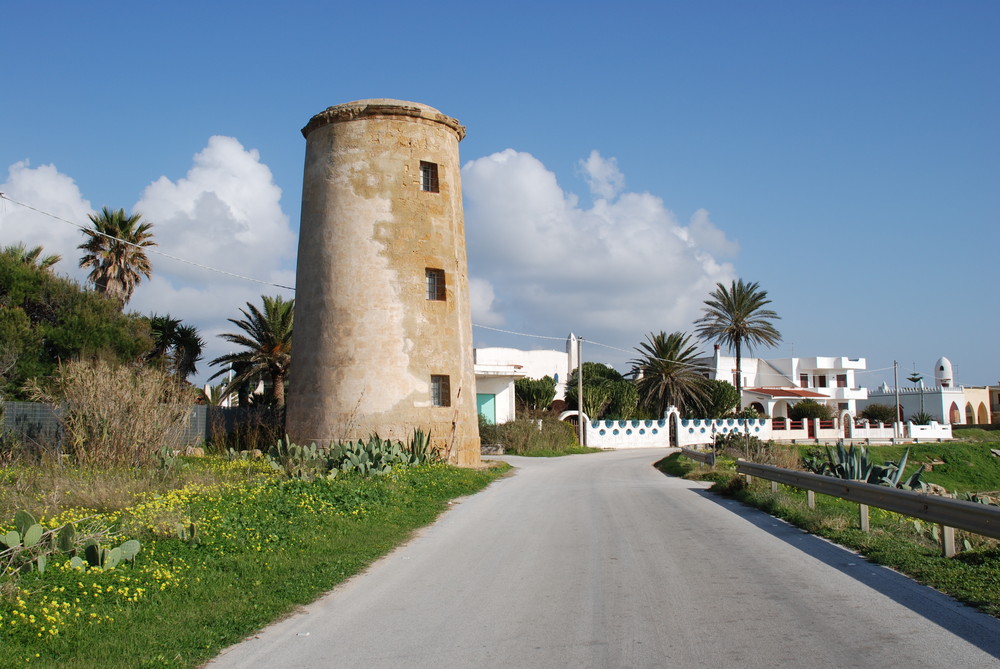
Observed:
{"x":601,"y":561}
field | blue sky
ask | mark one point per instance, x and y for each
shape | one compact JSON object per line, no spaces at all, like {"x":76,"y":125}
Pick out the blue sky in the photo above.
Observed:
{"x":619,"y":159}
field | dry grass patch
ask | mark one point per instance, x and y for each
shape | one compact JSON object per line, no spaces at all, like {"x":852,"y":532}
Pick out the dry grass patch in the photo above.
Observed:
{"x":49,"y":489}
{"x":116,"y":415}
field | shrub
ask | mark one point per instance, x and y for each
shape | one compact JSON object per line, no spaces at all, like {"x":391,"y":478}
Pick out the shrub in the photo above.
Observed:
{"x":489,"y":433}
{"x":245,"y":428}
{"x":116,"y":415}
{"x":739,"y":445}
{"x":535,"y":394}
{"x":723,"y":399}
{"x":880,"y":413}
{"x":810,"y":409}
{"x":522,"y":437}
{"x":746,"y":413}
{"x":46,"y":318}
{"x":606,"y":393}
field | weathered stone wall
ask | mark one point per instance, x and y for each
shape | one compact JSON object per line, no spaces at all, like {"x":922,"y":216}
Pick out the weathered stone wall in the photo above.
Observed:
{"x":367,"y":339}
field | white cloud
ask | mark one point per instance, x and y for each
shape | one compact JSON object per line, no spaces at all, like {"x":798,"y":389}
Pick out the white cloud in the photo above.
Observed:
{"x":225,"y":214}
{"x":602,"y":175}
{"x":611,"y":273}
{"x":482,"y":299}
{"x":44,"y":188}
{"x":705,"y":235}
{"x":538,"y":261}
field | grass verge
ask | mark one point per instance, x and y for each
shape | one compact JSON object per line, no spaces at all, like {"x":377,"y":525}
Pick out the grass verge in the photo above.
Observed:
{"x":266,"y":546}
{"x":676,"y":464}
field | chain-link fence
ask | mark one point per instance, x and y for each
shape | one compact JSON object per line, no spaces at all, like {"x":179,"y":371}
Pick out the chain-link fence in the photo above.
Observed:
{"x":39,"y":424}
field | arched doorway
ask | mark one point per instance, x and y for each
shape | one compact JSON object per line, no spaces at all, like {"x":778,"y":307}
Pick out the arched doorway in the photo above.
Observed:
{"x":984,"y":416}
{"x":759,"y":408}
{"x":673,"y":420}
{"x":954,"y":415}
{"x":970,"y":415}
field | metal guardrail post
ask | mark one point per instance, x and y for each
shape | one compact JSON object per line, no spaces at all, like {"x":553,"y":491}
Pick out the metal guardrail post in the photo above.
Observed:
{"x":699,"y":456}
{"x":948,"y":541}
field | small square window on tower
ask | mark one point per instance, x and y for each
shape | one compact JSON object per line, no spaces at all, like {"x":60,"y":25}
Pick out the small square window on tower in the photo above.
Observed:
{"x":428,"y":176}
{"x":440,"y":390}
{"x":435,"y":284}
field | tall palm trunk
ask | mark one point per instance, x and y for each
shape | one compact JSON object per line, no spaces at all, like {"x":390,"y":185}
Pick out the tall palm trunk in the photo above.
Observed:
{"x":278,"y":382}
{"x":739,"y":372}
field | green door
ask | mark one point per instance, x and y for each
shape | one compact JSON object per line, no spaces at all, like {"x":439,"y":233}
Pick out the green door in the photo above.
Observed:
{"x":487,"y":406}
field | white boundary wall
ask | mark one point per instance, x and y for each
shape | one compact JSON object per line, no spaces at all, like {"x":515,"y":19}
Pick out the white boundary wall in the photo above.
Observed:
{"x":702,"y":432}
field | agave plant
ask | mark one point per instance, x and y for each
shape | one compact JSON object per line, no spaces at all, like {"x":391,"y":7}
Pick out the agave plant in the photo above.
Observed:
{"x":853,"y":464}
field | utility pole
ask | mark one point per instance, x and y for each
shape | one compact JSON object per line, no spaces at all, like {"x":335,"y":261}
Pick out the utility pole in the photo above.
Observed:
{"x":918,"y":379}
{"x":895,"y":384}
{"x":581,"y":432}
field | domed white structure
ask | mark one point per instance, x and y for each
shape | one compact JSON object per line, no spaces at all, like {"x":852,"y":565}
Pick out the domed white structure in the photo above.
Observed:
{"x":943,"y":374}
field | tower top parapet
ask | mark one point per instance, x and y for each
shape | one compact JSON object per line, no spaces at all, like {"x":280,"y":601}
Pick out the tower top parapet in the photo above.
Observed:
{"x":350,"y":111}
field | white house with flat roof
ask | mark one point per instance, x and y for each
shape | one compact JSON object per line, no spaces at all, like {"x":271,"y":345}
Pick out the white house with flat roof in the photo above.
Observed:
{"x":773,"y":385}
{"x":498,"y":368}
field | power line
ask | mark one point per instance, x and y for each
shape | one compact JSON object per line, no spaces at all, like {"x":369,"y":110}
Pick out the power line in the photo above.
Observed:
{"x":4,"y":196}
{"x":589,"y":341}
{"x":622,"y":350}
{"x":519,"y":334}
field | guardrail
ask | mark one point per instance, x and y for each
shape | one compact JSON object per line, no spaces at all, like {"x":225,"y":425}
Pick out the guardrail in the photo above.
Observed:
{"x":707,"y":457}
{"x":946,"y":512}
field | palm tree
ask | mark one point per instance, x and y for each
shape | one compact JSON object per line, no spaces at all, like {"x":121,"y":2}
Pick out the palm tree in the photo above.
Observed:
{"x":115,"y":252}
{"x":187,"y":351}
{"x":267,"y":340}
{"x":667,"y":374}
{"x":176,"y":347}
{"x":736,"y":317}
{"x":33,"y":256}
{"x":212,"y":395}
{"x":164,"y":332}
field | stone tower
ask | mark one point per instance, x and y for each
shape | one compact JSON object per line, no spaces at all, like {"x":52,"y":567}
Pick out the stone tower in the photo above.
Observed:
{"x":383,"y":331}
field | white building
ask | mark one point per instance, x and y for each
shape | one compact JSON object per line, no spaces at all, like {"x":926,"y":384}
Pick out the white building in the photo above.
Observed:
{"x":773,"y":385}
{"x":498,"y":368}
{"x":944,"y":402}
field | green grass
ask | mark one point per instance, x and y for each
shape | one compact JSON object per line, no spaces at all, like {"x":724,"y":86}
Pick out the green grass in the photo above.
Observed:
{"x":976,"y":434}
{"x":968,"y":466}
{"x":676,"y":464}
{"x":266,"y":546}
